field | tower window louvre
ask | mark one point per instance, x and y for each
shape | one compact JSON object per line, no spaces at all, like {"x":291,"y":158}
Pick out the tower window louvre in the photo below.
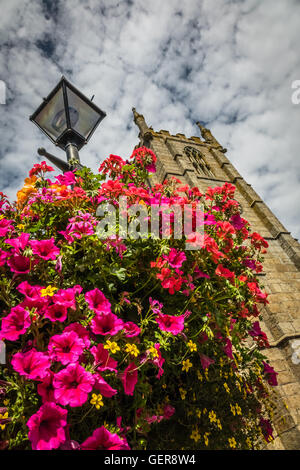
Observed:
{"x":197,"y":161}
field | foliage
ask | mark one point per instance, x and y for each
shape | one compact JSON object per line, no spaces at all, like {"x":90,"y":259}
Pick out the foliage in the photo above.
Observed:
{"x":129,"y":343}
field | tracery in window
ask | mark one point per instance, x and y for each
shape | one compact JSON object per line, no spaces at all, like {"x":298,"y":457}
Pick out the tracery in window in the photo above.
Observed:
{"x":197,"y":161}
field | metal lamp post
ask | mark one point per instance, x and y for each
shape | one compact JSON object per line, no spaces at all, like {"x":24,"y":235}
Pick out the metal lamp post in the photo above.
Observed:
{"x":69,"y":119}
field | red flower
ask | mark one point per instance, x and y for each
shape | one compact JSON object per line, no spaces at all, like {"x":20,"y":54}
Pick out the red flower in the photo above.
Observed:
{"x":102,"y":439}
{"x":47,"y":427}
{"x":224,"y":272}
{"x":40,"y":168}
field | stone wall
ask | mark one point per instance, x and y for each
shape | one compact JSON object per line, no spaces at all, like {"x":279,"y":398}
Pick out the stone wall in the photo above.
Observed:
{"x":281,"y":277}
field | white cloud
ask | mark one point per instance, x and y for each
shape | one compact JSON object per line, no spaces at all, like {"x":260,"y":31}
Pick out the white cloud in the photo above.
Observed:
{"x":227,"y":63}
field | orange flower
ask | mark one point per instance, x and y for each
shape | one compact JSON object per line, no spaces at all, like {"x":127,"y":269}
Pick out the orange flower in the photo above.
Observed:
{"x":27,"y":189}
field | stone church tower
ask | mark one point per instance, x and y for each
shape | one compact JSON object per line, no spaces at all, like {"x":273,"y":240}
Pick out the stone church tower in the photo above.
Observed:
{"x":202,"y":162}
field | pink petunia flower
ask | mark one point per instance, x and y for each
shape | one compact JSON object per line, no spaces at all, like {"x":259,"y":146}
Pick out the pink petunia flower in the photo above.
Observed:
{"x":270,"y":374}
{"x":32,"y":295}
{"x":170,"y":323}
{"x":175,"y":258}
{"x":108,"y":324}
{"x":97,"y":301}
{"x":19,"y":264}
{"x":47,"y":427}
{"x":131,"y":329}
{"x":129,"y":378}
{"x":102,"y":439}
{"x":15,"y":324}
{"x":56,"y":312}
{"x":3,"y":257}
{"x":168,"y":411}
{"x":158,"y":361}
{"x":103,"y":361}
{"x":66,"y":297}
{"x":32,"y":364}
{"x":66,"y":347}
{"x":228,"y":348}
{"x":5,"y":227}
{"x":81,"y":331}
{"x":45,"y":249}
{"x":104,"y":388}
{"x":20,"y":242}
{"x":66,"y":179}
{"x":206,"y":361}
{"x":72,"y":385}
{"x":46,"y":389}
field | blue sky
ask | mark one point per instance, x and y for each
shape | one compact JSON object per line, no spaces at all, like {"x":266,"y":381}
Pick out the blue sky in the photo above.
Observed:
{"x":228,"y":64}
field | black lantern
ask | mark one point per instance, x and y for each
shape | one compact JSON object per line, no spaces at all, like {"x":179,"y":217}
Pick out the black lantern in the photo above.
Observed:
{"x":68,"y":118}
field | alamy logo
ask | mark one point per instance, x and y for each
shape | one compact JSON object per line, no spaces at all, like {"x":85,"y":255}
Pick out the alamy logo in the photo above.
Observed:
{"x":134,"y":221}
{"x":296,"y":95}
{"x":2,"y":92}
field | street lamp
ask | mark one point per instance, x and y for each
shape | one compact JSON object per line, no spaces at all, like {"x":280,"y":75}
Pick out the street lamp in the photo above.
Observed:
{"x":69,"y":119}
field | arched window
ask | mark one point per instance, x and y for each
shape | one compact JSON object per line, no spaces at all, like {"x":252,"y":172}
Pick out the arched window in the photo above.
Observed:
{"x":197,"y":161}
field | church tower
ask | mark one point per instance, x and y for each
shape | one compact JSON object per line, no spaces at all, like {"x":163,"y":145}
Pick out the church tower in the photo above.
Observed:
{"x":202,"y":162}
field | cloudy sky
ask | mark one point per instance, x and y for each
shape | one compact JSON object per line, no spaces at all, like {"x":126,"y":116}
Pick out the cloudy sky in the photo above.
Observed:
{"x":228,"y":64}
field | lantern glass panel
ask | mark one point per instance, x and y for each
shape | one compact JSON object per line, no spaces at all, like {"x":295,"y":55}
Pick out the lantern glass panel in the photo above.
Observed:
{"x":52,"y":118}
{"x":82,"y":116}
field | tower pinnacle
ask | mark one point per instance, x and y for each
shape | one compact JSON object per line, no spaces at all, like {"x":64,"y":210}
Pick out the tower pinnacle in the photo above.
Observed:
{"x":207,"y":135}
{"x":139,"y":120}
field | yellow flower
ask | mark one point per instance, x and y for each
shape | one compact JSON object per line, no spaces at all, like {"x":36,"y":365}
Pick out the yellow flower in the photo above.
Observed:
{"x":226,"y":387}
{"x":199,"y":375}
{"x":3,"y":416}
{"x":232,"y":408}
{"x":198,"y":413}
{"x":49,"y":291}
{"x":212,"y":416}
{"x":186,"y":365}
{"x":205,"y":437}
{"x":97,"y":400}
{"x":195,"y":435}
{"x":153,"y":352}
{"x":232,"y":442}
{"x":206,"y":374}
{"x":248,"y":442}
{"x":132,"y":349}
{"x":111,"y":346}
{"x":238,"y":409}
{"x":164,"y":385}
{"x":6,"y":402}
{"x":182,"y":393}
{"x":192,"y":346}
{"x":219,"y":424}
{"x":21,"y":226}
